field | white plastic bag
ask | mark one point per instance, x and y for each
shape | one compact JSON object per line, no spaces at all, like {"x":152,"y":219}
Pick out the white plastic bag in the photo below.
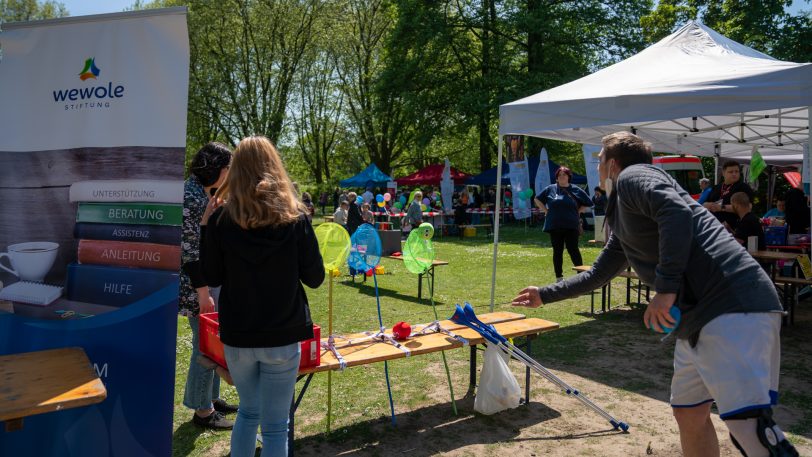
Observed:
{"x":498,"y":389}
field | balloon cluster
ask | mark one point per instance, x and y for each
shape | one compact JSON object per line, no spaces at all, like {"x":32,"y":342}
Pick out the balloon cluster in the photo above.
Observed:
{"x":382,"y":199}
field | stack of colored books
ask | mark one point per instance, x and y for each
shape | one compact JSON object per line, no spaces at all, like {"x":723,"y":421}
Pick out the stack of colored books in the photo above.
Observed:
{"x":129,"y":234}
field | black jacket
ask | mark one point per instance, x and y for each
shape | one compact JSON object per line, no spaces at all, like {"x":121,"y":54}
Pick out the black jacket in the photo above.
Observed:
{"x":354,"y":218}
{"x":262,"y":301}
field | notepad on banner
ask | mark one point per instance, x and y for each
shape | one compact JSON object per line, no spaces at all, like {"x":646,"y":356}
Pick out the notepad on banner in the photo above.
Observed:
{"x":33,"y":293}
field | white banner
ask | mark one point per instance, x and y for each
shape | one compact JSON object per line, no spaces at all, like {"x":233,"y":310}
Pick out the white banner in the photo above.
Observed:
{"x":447,"y":187}
{"x":88,"y":83}
{"x":591,"y":161}
{"x":543,"y":172}
{"x":520,"y":187}
{"x":92,"y":147}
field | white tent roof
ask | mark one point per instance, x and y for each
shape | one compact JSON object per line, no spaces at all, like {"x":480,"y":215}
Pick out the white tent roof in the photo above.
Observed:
{"x":684,"y":94}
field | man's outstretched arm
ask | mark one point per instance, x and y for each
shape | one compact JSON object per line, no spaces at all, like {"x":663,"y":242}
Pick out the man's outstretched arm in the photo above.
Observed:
{"x":610,"y":262}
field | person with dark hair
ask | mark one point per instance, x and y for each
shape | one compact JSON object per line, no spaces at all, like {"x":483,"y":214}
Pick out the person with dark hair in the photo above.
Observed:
{"x":599,"y":201}
{"x":718,"y":201}
{"x":563,"y":204}
{"x":323,"y":201}
{"x":797,"y":211}
{"x":257,"y":243}
{"x":207,"y":172}
{"x":336,"y":197}
{"x":749,"y":225}
{"x":354,"y":216}
{"x":728,"y":342}
{"x":778,"y":210}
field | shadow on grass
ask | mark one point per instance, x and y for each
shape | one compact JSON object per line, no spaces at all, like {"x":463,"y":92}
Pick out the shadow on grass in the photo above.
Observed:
{"x":183,"y":440}
{"x":434,"y":430}
{"x":368,"y":288}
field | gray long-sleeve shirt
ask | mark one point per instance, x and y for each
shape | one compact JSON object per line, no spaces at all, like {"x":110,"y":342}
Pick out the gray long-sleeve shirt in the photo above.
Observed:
{"x":677,"y":246}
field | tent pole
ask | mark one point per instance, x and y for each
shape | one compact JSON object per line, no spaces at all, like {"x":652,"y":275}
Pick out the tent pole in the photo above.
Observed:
{"x":770,"y":186}
{"x":808,"y":150}
{"x":716,"y":148}
{"x":496,"y":214}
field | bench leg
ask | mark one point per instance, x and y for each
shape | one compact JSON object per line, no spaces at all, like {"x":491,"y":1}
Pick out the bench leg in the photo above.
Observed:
{"x":628,"y":291}
{"x":419,"y":286}
{"x":527,"y":349}
{"x":12,"y":425}
{"x":294,"y":405}
{"x":472,"y":372}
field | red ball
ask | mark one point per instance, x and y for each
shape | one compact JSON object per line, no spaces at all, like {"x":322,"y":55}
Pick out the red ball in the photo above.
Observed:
{"x":402,"y":330}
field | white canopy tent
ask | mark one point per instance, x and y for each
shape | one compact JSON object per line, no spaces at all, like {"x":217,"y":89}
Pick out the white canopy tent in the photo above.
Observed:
{"x":694,"y":92}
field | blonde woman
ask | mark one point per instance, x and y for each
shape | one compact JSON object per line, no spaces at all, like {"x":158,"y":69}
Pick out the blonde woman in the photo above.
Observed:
{"x":260,"y":247}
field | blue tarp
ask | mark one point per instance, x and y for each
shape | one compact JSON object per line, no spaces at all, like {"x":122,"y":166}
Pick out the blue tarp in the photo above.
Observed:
{"x":371,"y":176}
{"x":488,"y":177}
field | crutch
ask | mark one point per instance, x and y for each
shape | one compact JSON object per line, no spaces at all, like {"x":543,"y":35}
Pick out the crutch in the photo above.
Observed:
{"x":466,"y":316}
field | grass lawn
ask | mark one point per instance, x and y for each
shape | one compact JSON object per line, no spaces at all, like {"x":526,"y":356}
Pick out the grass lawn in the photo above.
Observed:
{"x":611,"y":357}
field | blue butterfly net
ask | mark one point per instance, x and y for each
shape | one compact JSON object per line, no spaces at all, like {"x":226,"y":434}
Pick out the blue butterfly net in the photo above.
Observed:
{"x":365,"y":252}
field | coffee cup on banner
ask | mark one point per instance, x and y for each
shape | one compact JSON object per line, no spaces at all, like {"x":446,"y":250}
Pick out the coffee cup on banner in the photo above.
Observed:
{"x":30,"y":261}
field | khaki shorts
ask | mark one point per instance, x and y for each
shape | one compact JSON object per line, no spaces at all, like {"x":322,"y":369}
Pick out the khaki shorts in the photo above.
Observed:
{"x":735,"y":364}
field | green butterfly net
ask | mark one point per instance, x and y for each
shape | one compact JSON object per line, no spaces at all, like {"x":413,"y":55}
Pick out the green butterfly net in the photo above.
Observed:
{"x":418,"y":253}
{"x":334,"y":245}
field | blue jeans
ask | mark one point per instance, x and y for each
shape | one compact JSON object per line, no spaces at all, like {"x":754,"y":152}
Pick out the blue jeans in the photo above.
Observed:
{"x":265,"y":379}
{"x":202,"y":384}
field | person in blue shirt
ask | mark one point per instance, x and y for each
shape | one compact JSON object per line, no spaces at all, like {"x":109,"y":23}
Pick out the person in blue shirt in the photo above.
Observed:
{"x":704,"y":184}
{"x":778,"y":211}
{"x":563,"y":203}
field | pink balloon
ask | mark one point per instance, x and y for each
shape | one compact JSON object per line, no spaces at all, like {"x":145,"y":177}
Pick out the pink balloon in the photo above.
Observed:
{"x":387,"y":196}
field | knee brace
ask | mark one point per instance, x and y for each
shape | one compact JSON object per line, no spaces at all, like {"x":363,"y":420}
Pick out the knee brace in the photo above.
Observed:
{"x":768,"y":439}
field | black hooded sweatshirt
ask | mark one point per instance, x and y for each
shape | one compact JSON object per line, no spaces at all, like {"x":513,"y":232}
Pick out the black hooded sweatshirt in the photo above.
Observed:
{"x":262,"y":301}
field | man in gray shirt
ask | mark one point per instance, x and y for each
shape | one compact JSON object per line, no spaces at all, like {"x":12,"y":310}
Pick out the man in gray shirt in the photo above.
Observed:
{"x":728,"y":345}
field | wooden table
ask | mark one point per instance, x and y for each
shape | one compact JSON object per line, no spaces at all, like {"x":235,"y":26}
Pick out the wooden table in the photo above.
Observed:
{"x":329,"y":218}
{"x":510,"y":325}
{"x":773,"y":256}
{"x":606,"y":290}
{"x":429,"y":273}
{"x":45,"y":381}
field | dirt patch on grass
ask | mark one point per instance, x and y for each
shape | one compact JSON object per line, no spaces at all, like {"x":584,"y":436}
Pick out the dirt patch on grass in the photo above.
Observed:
{"x":626,"y":373}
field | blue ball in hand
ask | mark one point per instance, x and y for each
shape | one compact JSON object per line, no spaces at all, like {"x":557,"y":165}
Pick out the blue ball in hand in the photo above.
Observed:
{"x":677,"y":315}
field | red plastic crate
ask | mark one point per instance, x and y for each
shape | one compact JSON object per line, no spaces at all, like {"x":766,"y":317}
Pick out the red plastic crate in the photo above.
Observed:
{"x":212,"y":347}
{"x":210,"y":344}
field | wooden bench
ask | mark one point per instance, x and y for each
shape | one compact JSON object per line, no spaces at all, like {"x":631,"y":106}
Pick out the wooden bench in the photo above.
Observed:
{"x":429,"y":273}
{"x":606,"y":290}
{"x":45,"y":381}
{"x":791,"y":287}
{"x":510,"y":325}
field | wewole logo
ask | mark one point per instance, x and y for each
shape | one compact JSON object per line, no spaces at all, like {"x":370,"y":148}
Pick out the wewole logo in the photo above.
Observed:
{"x":90,"y":70}
{"x":89,"y":96}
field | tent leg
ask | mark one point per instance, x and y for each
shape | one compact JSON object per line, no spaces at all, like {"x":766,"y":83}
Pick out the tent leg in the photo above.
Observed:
{"x":716,"y":164}
{"x":808,"y":150}
{"x":496,"y":213}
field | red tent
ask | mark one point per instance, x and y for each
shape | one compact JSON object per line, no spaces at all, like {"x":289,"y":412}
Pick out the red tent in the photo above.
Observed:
{"x":431,"y":175}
